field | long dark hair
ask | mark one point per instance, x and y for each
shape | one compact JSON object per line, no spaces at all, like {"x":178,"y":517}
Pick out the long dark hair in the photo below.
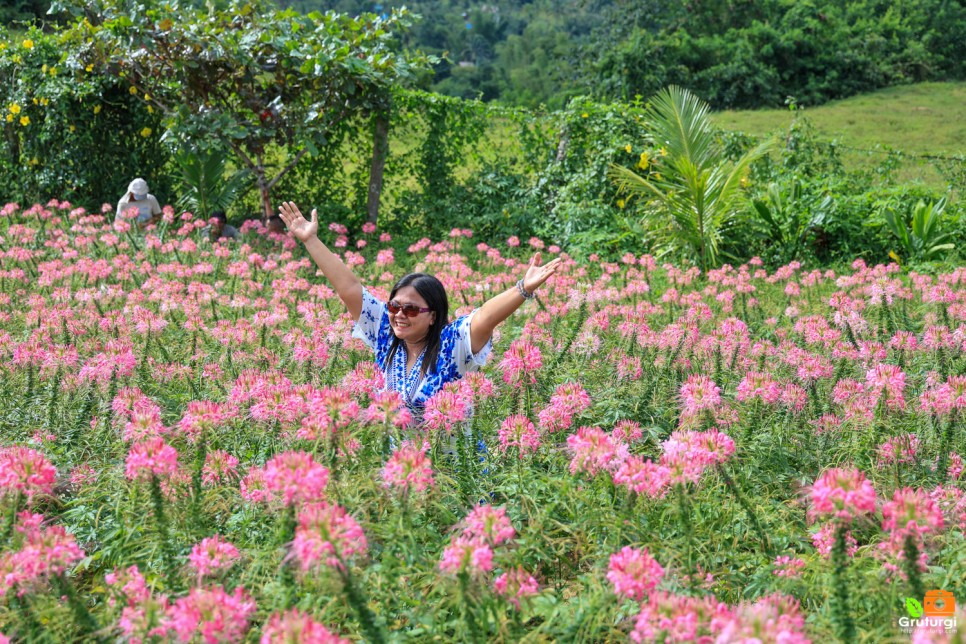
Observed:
{"x":431,"y":290}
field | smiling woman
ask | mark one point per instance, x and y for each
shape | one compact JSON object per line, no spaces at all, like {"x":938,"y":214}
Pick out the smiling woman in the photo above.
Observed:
{"x":418,"y":349}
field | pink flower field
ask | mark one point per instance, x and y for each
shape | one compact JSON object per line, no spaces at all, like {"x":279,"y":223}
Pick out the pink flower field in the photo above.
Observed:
{"x":193,"y":448}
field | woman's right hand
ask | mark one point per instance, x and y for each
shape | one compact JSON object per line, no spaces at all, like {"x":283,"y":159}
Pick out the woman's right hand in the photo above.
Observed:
{"x":302,"y":229}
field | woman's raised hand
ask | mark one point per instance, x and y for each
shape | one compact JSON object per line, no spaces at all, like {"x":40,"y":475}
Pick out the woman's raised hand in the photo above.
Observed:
{"x":292,"y":216}
{"x":536,"y":274}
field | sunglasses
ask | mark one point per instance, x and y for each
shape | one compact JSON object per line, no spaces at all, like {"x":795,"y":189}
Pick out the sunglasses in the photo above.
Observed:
{"x":409,"y":310}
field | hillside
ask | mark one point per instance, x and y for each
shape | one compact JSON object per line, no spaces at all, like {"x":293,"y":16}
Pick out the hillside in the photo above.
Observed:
{"x":926,"y":118}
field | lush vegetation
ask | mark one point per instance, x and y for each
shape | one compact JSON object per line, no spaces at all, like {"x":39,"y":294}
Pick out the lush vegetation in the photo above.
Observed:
{"x":734,"y":53}
{"x":194,"y":447}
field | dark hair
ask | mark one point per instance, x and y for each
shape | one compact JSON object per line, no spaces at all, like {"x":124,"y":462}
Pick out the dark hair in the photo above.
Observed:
{"x":431,"y":290}
{"x":219,"y":215}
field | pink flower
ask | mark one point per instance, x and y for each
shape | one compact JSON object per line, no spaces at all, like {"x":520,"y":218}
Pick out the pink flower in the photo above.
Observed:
{"x":911,"y":512}
{"x":26,"y":472}
{"x":295,"y":478}
{"x":388,"y":408}
{"x":365,"y":379}
{"x":220,"y":467}
{"x":773,"y":618}
{"x":627,"y":431}
{"x":327,"y":535}
{"x":521,"y":362}
{"x":643,"y":477}
{"x":444,"y":410}
{"x":296,"y":627}
{"x":212,"y":614}
{"x":44,"y":551}
{"x":201,"y":416}
{"x":516,"y":584}
{"x":634,"y":573}
{"x":409,"y":469}
{"x":212,"y":555}
{"x":151,"y":458}
{"x":824,"y":539}
{"x":666,"y":617}
{"x":518,"y":431}
{"x":758,"y":385}
{"x":900,"y":449}
{"x":888,"y":382}
{"x":785,"y":566}
{"x":595,"y":451}
{"x":699,"y":393}
{"x":490,"y":524}
{"x":842,"y":494}
{"x":466,"y":554}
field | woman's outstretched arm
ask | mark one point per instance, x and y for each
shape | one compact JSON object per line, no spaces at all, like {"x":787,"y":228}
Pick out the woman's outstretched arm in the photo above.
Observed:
{"x":499,"y":307}
{"x":343,"y":280}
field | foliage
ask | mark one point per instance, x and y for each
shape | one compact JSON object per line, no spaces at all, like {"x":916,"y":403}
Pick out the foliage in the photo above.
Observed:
{"x":203,"y":186}
{"x":245,"y":76}
{"x":68,"y":130}
{"x":692,"y":183}
{"x":923,"y":236}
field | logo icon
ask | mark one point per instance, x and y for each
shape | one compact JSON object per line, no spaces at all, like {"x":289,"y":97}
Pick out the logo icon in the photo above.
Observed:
{"x":913,"y":607}
{"x":938,"y":603}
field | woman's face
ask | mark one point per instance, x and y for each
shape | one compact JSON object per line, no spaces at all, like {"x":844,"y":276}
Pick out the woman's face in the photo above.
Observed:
{"x":411,"y":329}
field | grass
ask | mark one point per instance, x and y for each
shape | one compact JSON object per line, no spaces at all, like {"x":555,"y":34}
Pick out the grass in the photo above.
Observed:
{"x":928,"y":118}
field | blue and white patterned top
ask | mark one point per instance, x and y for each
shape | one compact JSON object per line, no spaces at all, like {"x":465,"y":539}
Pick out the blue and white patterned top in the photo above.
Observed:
{"x":456,"y":357}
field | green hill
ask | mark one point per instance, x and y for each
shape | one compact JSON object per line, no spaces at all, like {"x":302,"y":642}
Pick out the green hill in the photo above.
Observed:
{"x":927,"y":118}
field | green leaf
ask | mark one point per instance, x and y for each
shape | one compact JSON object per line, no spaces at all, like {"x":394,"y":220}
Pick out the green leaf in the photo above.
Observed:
{"x":913,"y":607}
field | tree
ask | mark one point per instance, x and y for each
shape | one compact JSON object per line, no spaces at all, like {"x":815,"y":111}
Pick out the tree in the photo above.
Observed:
{"x":247,"y":76}
{"x":693,"y":182}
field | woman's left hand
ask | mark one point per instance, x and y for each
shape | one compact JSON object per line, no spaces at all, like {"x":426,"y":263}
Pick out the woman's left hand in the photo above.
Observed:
{"x":536,"y":274}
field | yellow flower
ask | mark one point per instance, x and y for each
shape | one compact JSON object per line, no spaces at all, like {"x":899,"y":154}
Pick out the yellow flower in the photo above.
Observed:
{"x":17,"y":59}
{"x":73,"y":128}
{"x":133,"y":90}
{"x":53,"y":71}
{"x":44,"y":68}
{"x":34,"y":99}
{"x":44,"y":101}
{"x":97,"y":109}
{"x":25,"y":121}
{"x":14,"y":109}
{"x":621,"y":203}
{"x":3,"y":46}
{"x":644,"y":161}
{"x":146,"y":132}
{"x":628,"y":148}
{"x":89,"y":68}
{"x":147,"y":96}
{"x":9,"y":118}
{"x":663,"y":152}
{"x":33,"y":161}
{"x":584,"y":115}
{"x":150,"y":110}
{"x":745,"y":182}
{"x":28,"y":44}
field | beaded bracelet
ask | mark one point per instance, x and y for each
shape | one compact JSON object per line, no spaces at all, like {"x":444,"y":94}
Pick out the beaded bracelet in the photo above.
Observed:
{"x":523,"y":291}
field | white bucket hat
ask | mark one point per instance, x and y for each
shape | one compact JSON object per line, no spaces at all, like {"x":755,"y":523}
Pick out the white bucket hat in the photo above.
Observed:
{"x":138,"y":187}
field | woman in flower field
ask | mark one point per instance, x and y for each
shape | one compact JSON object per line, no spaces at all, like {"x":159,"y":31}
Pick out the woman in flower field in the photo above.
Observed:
{"x":416,"y":346}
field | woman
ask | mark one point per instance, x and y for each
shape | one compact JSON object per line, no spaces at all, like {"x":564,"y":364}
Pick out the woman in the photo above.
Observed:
{"x":137,"y":196}
{"x":416,"y":346}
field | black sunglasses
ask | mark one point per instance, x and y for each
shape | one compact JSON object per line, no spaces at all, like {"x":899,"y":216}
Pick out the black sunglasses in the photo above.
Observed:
{"x":409,"y":310}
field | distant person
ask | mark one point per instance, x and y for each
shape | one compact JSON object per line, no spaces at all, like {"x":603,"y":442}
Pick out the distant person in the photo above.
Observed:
{"x":149,"y":210}
{"x":219,"y":228}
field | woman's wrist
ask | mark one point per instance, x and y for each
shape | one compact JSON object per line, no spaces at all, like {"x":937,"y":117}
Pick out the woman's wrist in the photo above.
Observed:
{"x":524,"y":293}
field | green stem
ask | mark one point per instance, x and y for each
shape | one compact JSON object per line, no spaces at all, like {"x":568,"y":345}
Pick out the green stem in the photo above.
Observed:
{"x":841,"y":615}
{"x":372,"y":629}
{"x":910,"y":564}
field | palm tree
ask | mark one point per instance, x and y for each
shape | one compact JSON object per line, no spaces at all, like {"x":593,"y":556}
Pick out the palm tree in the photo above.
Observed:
{"x":695,"y":185}
{"x":203,"y":184}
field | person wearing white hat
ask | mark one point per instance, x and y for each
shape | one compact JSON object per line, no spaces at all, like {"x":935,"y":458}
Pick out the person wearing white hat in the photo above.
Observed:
{"x":137,"y":197}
